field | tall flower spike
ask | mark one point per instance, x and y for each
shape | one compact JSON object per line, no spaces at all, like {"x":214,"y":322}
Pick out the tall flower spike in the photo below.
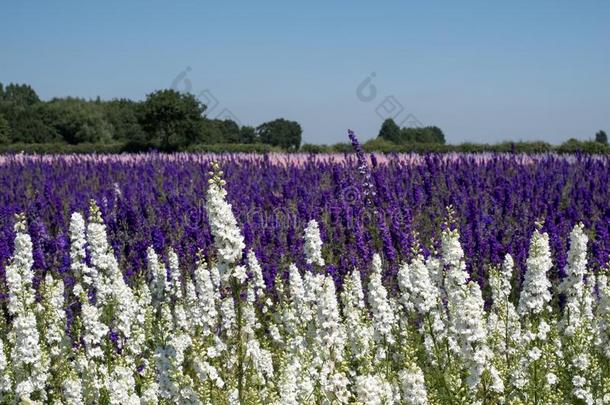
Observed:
{"x":536,"y":286}
{"x":573,"y":285}
{"x":228,"y":239}
{"x":313,"y":244}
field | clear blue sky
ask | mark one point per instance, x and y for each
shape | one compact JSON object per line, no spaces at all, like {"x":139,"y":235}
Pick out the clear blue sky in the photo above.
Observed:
{"x":482,"y":71}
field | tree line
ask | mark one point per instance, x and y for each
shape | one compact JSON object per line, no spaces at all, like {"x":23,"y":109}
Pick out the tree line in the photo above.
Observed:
{"x":166,"y":120}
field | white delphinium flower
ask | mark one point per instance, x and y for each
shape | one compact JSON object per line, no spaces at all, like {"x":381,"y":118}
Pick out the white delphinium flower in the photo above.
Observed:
{"x":121,"y":387}
{"x":296,"y":290}
{"x":602,"y":315}
{"x":383,"y":316}
{"x":93,"y":329}
{"x":5,"y":371}
{"x":54,"y":316}
{"x":158,"y":284}
{"x":435,"y":271}
{"x":262,"y":360}
{"x":240,"y":273}
{"x":467,"y":332}
{"x":359,"y":333}
{"x":470,"y":333}
{"x":257,"y":274}
{"x":413,"y":385}
{"x":503,"y":323}
{"x":227,"y":315}
{"x":374,"y":390}
{"x":29,"y":365}
{"x":455,"y":276}
{"x":208,"y":298}
{"x":535,"y":294}
{"x":72,"y":391}
{"x":313,"y":244}
{"x":100,"y":256}
{"x":78,"y":242}
{"x":312,"y":284}
{"x":573,"y":286}
{"x":112,"y":291}
{"x":404,"y":284}
{"x":422,"y":293}
{"x":329,"y":340}
{"x":141,"y":323}
{"x":290,"y":388}
{"x":174,"y":283}
{"x":228,"y":240}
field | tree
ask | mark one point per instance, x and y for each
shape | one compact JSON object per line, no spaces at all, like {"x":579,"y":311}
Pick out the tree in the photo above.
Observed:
{"x":390,"y":131}
{"x":437,"y":134}
{"x":5,"y":131}
{"x":230,"y":131}
{"x":77,"y":121}
{"x":280,"y":132}
{"x":122,"y":115}
{"x":247,"y":135}
{"x":601,"y":137}
{"x":20,"y":94}
{"x":172,"y":119}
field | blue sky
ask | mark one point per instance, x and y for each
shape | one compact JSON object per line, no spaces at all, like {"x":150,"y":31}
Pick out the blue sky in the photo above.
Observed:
{"x":482,"y":71}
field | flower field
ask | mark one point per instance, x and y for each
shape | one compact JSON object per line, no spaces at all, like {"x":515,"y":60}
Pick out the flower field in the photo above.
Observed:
{"x":297,"y":279}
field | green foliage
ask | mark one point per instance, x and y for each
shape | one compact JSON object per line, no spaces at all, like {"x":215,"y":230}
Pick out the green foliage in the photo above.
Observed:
{"x":280,"y":132}
{"x":400,"y":136}
{"x":601,"y":137}
{"x":311,"y":148}
{"x":172,"y":120}
{"x":19,"y":94}
{"x":5,"y":131}
{"x":390,"y":131}
{"x":78,"y":121}
{"x":122,"y":115}
{"x":590,"y":147}
{"x":247,"y":135}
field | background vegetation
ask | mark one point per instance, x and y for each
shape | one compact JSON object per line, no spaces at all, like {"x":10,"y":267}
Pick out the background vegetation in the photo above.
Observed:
{"x":168,"y":120}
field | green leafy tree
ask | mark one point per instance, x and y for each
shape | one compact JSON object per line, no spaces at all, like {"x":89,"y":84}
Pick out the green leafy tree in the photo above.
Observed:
{"x":27,"y":124}
{"x":172,"y":119}
{"x":5,"y":131}
{"x":390,"y":131}
{"x":280,"y":132}
{"x":230,"y":131}
{"x":78,"y":121}
{"x":122,"y":115}
{"x":601,"y":137}
{"x":247,"y":135}
{"x":20,"y":94}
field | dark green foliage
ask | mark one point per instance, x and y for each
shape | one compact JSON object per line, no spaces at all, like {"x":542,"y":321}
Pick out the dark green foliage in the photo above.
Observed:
{"x":122,"y":115}
{"x":5,"y":131}
{"x":280,"y":132}
{"x":390,"y":131}
{"x":589,"y":147}
{"x":247,"y":135}
{"x":169,"y":120}
{"x":172,"y":120}
{"x":401,"y":136}
{"x":78,"y":121}
{"x":19,"y":94}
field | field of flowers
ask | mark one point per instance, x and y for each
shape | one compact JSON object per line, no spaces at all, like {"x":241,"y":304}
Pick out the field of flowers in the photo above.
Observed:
{"x":289,"y":279}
